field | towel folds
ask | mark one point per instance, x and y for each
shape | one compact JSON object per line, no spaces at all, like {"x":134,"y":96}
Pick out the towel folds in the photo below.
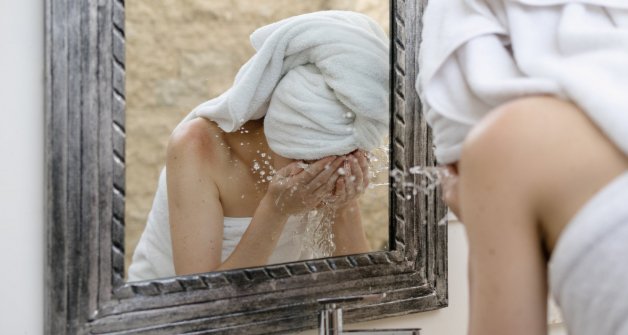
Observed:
{"x":477,"y":55}
{"x":321,"y":80}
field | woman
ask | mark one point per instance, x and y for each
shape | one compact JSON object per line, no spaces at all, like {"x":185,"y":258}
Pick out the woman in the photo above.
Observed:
{"x":527,"y":99}
{"x":288,"y":139}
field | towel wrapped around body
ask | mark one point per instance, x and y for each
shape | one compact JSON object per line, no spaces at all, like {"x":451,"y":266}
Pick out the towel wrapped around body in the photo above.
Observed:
{"x":321,"y":80}
{"x":479,"y":54}
{"x":587,"y":271}
{"x":153,"y":258}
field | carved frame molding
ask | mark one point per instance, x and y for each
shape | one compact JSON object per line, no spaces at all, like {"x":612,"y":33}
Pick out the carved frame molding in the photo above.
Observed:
{"x":85,"y":288}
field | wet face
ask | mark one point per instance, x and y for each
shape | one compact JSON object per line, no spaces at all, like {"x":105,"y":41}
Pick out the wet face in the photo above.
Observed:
{"x":352,"y":153}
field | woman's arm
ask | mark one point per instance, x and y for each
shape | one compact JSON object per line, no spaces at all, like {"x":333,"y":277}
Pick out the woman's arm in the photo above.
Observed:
{"x":195,"y":213}
{"x":196,"y":216}
{"x":526,"y":169}
{"x":349,"y":235}
{"x":292,"y":191}
{"x":507,"y":270}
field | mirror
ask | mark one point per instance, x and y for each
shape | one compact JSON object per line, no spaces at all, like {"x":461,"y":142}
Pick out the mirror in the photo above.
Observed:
{"x":86,"y":290}
{"x":180,"y":55}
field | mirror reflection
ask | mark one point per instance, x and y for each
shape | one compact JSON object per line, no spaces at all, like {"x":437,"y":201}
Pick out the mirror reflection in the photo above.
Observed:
{"x":246,"y":151}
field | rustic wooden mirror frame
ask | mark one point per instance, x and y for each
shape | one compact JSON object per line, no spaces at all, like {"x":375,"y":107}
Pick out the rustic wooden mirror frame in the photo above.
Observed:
{"x":85,"y":287}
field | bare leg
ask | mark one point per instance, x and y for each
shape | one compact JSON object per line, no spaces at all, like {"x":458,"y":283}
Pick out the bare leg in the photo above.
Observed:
{"x":524,"y":172}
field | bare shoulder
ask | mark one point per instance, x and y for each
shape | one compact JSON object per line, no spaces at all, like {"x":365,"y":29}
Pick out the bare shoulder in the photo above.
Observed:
{"x":548,"y":148}
{"x":199,"y":140}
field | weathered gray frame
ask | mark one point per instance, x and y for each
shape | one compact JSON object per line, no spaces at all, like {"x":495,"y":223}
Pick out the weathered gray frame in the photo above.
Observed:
{"x":85,"y":289}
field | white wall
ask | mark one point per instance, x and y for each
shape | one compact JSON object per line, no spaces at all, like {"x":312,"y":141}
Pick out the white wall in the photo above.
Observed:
{"x":21,"y":167}
{"x":453,"y":319}
{"x":447,"y":321}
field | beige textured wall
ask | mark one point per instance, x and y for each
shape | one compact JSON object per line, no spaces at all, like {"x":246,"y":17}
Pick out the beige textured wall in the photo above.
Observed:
{"x":181,"y":53}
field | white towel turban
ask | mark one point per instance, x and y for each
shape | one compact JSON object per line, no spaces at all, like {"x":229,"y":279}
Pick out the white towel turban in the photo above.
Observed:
{"x":320,"y":79}
{"x":479,"y":54}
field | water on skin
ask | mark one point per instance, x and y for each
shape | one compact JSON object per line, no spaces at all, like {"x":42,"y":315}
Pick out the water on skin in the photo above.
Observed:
{"x":317,"y":238}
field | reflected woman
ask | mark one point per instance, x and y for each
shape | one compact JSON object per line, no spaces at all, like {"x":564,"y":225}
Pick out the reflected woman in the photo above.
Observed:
{"x":288,"y":139}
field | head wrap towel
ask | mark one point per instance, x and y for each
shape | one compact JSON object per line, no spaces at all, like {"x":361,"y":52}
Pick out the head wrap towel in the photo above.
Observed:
{"x":476,"y":55}
{"x":321,"y":80}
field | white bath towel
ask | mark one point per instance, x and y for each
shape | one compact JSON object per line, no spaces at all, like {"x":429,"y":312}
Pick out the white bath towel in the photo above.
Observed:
{"x":479,"y":54}
{"x":153,"y":258}
{"x":321,"y":79}
{"x":589,"y":266}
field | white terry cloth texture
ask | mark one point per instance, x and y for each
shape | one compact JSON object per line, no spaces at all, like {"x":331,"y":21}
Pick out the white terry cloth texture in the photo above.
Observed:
{"x":153,"y":255}
{"x":320,"y":79}
{"x":588,"y":269}
{"x":479,"y":54}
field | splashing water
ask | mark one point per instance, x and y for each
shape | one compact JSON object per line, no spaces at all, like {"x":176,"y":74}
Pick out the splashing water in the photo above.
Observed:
{"x":318,"y":238}
{"x":263,"y":170}
{"x":419,"y":179}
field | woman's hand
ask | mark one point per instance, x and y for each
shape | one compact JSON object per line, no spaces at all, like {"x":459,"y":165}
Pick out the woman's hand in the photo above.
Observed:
{"x":450,"y":189}
{"x":352,"y":183}
{"x":297,"y":189}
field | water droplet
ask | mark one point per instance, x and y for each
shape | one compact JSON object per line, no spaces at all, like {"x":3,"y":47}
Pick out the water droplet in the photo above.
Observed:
{"x":342,"y":171}
{"x":263,"y":154}
{"x":426,"y":178}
